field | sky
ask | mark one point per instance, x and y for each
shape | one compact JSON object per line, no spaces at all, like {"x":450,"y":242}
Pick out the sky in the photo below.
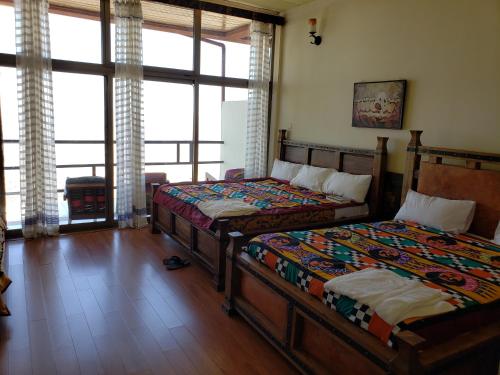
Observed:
{"x":79,"y":109}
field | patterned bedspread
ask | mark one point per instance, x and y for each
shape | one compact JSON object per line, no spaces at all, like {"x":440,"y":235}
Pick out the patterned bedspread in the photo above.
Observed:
{"x":269,"y":195}
{"x":464,"y":266}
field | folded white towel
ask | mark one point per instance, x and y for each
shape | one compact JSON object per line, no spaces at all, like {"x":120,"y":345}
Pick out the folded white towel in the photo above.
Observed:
{"x":392,"y":297}
{"x":226,"y":208}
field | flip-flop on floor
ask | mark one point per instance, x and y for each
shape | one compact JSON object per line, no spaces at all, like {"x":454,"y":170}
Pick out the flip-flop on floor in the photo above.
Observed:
{"x":174,"y":262}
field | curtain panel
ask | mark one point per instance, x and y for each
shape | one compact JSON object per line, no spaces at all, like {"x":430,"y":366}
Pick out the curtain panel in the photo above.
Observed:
{"x":131,"y":196}
{"x":258,"y":100}
{"x":37,"y":162}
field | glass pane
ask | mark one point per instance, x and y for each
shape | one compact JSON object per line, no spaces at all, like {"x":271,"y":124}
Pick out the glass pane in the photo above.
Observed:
{"x":11,"y":154}
{"x":185,"y":153}
{"x":225,"y":47}
{"x":64,"y":173}
{"x":13,"y":211}
{"x":222,"y":121}
{"x":79,"y":154}
{"x":236,"y":94}
{"x":210,"y":113}
{"x":78,"y":106}
{"x":209,"y":172}
{"x":8,"y":101}
{"x":168,"y":111}
{"x":167,"y":36}
{"x":164,"y":153}
{"x":233,"y":134}
{"x":209,"y":152}
{"x":75,"y":30}
{"x":7,"y":29}
{"x":175,"y":173}
{"x":12,"y":181}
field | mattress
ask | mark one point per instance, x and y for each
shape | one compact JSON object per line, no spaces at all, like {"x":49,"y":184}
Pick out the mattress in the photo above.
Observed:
{"x":274,"y":198}
{"x":464,"y":266}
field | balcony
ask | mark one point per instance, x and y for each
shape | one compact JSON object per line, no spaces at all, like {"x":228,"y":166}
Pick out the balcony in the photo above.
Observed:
{"x":178,"y":168}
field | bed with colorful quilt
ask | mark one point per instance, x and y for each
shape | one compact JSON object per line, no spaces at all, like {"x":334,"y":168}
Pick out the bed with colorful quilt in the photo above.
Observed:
{"x":464,"y":266}
{"x":289,"y":286}
{"x":201,"y":215}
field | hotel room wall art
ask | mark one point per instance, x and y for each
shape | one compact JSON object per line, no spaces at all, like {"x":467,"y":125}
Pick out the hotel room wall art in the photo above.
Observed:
{"x":378,"y":104}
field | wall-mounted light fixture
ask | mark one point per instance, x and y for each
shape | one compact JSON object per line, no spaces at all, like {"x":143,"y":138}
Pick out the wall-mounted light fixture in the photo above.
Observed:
{"x":316,"y":39}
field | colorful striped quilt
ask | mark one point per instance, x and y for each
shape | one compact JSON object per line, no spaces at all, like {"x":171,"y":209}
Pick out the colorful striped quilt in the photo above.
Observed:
{"x":269,"y":195}
{"x":464,"y":266}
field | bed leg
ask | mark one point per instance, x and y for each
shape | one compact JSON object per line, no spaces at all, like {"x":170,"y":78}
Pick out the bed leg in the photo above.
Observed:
{"x":220,"y":262}
{"x":407,"y":363}
{"x":234,"y":248}
{"x":154,"y":209}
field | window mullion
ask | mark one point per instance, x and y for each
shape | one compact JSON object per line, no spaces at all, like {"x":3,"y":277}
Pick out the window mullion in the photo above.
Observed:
{"x":196,"y":91}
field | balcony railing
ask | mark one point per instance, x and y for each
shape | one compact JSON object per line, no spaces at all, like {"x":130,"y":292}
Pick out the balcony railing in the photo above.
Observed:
{"x":94,"y":166}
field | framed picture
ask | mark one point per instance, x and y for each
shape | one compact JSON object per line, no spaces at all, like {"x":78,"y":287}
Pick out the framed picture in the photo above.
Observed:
{"x":378,"y":104}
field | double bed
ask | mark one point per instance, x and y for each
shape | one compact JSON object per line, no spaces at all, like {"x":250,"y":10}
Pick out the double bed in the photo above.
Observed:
{"x":281,"y":206}
{"x":276,"y":281}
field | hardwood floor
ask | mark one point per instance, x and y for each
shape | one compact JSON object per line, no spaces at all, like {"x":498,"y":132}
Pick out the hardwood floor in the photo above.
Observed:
{"x":102,"y":303}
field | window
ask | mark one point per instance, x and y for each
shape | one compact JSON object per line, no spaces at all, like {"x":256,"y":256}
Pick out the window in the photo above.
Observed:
{"x":83,"y":96}
{"x":82,"y":22}
{"x":79,"y":131}
{"x":10,"y":133}
{"x":222,"y":131}
{"x":167,"y":36}
{"x":168,"y":129}
{"x":225,"y":47}
{"x":7,"y":29}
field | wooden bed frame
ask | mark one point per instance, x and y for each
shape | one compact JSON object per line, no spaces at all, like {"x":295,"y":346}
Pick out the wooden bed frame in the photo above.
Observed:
{"x":209,"y":246}
{"x":319,"y":340}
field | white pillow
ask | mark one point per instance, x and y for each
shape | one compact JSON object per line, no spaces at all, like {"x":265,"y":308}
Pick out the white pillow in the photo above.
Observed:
{"x":496,"y":239}
{"x":283,"y":170}
{"x":311,"y":177}
{"x":347,"y":185}
{"x":445,"y":214}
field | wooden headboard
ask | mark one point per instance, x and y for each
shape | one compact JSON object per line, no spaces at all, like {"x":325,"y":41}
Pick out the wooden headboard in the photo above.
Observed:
{"x":344,"y":159}
{"x":456,"y":174}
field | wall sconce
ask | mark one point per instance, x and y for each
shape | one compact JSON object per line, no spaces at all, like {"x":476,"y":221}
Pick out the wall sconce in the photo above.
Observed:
{"x":316,"y":39}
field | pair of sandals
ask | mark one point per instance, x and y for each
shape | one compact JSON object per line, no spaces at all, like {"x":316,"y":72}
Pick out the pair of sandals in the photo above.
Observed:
{"x":174,"y":263}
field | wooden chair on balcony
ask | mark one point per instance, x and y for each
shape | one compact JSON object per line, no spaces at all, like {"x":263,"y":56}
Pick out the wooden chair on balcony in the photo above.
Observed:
{"x":86,"y":197}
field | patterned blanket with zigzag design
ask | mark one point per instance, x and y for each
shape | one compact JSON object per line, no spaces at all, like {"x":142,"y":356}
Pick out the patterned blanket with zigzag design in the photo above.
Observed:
{"x":271,"y":196}
{"x":465,"y":266}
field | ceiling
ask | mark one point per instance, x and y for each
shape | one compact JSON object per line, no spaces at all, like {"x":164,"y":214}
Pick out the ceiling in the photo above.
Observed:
{"x":270,"y":5}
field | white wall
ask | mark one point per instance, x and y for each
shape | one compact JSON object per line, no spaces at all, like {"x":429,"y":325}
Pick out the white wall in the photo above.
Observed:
{"x":448,"y":50}
{"x":234,"y":122}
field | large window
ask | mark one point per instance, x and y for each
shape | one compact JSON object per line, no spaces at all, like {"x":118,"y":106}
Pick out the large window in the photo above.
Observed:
{"x":194,"y":103}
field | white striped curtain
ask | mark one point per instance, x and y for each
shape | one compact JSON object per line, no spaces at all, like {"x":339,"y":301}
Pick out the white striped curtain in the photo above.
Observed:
{"x":258,"y":100}
{"x":131,"y":196}
{"x":37,"y":162}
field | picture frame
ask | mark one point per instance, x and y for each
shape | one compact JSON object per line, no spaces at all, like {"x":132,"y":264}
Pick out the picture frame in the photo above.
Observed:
{"x":378,"y":104}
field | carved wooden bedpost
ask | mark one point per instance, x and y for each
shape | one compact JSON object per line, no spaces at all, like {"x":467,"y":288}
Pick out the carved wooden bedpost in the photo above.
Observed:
{"x":379,"y":166}
{"x":282,"y":138}
{"x":154,"y":208}
{"x":222,"y":237}
{"x":236,"y":240}
{"x":412,"y":162}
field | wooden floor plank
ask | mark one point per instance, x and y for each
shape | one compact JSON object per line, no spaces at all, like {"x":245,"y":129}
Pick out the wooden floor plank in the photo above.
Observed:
{"x":103,"y":303}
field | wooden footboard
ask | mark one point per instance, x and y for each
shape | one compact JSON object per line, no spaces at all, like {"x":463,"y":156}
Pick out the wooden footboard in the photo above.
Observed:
{"x":206,"y":246}
{"x":318,"y":340}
